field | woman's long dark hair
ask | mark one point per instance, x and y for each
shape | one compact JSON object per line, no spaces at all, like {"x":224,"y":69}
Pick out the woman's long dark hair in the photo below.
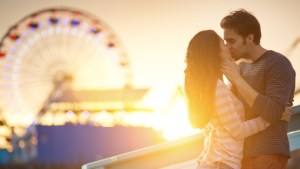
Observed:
{"x":201,"y":74}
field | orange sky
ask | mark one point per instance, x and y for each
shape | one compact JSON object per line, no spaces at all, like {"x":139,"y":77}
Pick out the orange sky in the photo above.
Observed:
{"x":156,"y":33}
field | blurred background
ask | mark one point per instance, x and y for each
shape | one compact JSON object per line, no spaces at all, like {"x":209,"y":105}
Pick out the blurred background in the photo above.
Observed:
{"x":84,"y":80}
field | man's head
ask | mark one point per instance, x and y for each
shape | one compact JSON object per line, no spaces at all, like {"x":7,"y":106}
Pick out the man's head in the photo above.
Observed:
{"x":241,"y":33}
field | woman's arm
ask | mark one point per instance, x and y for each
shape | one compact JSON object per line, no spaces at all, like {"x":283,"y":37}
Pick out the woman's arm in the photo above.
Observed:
{"x":230,"y":119}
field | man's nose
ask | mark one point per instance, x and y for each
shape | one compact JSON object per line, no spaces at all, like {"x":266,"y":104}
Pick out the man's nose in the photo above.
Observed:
{"x":227,"y":45}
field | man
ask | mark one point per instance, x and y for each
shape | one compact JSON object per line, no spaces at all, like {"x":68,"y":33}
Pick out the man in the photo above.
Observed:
{"x":265,"y":84}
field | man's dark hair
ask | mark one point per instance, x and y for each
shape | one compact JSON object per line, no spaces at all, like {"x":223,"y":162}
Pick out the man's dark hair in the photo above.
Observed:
{"x":244,"y":23}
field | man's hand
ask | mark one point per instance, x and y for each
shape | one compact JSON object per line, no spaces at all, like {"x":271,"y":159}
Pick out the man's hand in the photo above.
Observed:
{"x":287,"y":114}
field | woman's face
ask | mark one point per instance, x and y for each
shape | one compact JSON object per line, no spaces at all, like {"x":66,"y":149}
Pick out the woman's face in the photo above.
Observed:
{"x":224,"y":51}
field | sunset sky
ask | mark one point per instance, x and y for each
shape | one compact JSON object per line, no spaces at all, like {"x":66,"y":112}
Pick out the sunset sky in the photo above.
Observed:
{"x":156,"y":33}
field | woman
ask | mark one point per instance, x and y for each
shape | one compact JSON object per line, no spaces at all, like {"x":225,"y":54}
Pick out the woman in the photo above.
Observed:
{"x":213,"y":107}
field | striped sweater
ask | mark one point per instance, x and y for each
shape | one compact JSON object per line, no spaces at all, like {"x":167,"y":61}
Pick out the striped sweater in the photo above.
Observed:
{"x":225,"y":134}
{"x":273,"y":77}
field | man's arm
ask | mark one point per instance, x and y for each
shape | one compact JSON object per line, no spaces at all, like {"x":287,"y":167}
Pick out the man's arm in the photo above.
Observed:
{"x":280,"y":86}
{"x":280,"y":83}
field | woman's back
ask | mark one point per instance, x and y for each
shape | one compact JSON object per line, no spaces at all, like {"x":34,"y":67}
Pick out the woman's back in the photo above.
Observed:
{"x":229,"y":129}
{"x":220,"y":145}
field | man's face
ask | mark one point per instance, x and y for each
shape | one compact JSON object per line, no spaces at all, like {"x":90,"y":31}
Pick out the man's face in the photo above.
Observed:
{"x":236,"y":43}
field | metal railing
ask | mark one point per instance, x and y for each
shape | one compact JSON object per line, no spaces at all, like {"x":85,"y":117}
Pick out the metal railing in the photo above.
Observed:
{"x":178,"y":154}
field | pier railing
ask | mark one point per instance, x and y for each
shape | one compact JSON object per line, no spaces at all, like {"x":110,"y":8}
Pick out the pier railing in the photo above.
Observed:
{"x":178,"y":154}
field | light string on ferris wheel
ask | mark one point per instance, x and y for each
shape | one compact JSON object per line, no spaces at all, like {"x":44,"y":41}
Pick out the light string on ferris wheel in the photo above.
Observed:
{"x":35,"y":26}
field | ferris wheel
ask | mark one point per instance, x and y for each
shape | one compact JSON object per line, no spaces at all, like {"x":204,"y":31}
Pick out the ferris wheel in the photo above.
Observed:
{"x":50,"y":44}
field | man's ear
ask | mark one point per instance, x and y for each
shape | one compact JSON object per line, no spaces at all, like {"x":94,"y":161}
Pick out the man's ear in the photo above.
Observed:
{"x":250,"y":38}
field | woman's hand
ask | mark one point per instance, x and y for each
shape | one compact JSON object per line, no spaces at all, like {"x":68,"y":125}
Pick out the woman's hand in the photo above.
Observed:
{"x":231,"y":70}
{"x":287,"y":114}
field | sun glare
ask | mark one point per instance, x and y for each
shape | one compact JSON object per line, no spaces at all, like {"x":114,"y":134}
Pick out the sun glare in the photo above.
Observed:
{"x":168,"y":116}
{"x":171,"y":115}
{"x":176,"y":122}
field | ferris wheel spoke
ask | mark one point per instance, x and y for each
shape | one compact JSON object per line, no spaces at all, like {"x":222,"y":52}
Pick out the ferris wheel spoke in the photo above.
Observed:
{"x":40,"y":55}
{"x":78,"y":52}
{"x":81,"y":57}
{"x":73,"y":46}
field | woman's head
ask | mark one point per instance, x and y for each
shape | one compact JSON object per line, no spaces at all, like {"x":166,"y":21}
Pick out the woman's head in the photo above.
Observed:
{"x":203,"y":60}
{"x":203,"y":49}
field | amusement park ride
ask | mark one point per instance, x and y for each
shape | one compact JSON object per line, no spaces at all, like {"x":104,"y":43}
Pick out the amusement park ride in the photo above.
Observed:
{"x":60,"y":62}
{"x":61,"y":55}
